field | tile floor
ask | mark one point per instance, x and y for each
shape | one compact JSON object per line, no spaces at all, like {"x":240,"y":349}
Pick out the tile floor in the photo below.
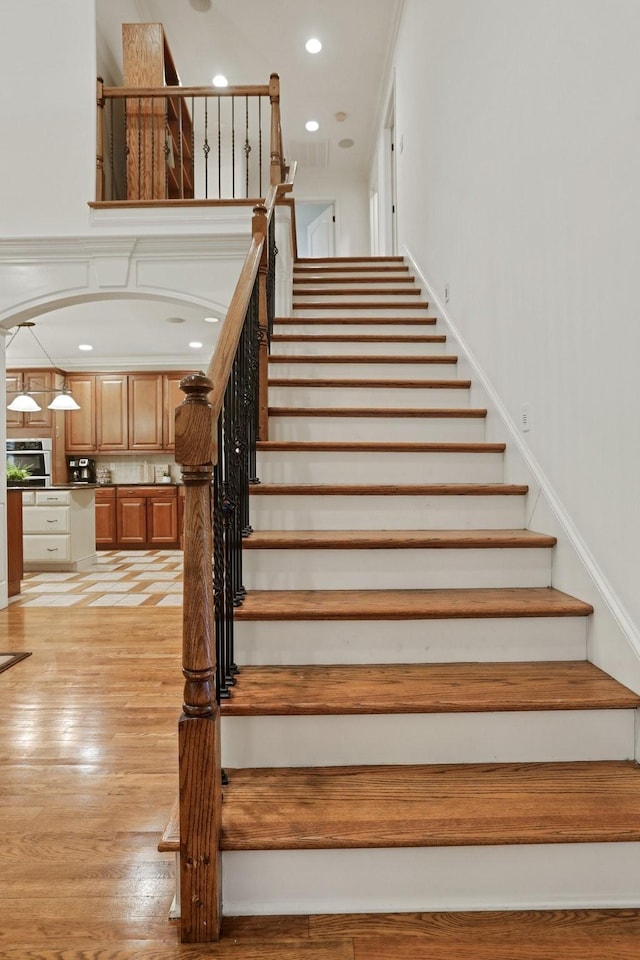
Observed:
{"x":120,"y":578}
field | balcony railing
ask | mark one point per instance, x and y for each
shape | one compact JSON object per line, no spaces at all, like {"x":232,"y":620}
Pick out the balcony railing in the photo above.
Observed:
{"x":188,"y":143}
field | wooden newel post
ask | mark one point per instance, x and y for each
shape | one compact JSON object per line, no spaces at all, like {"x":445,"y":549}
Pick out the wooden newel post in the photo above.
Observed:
{"x":276,"y":131}
{"x":260,"y":226}
{"x":199,"y":725}
{"x":100,"y":139}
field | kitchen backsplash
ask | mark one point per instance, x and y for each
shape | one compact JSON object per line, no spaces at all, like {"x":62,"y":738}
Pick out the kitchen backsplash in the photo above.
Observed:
{"x":147,"y":470}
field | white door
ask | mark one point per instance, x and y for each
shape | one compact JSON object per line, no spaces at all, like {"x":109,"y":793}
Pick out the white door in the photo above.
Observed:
{"x":321,"y":234}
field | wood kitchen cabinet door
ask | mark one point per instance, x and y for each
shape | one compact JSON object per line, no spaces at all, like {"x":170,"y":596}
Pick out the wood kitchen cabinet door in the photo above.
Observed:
{"x":14,"y":383}
{"x":105,"y":517}
{"x":112,"y":422}
{"x":145,"y":411}
{"x":172,"y":398}
{"x":162,"y":520}
{"x":80,"y":425}
{"x":41,"y":383}
{"x":131,"y":521}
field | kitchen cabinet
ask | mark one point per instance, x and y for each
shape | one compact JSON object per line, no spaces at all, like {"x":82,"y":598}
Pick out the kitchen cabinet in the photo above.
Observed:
{"x":31,"y":381}
{"x":14,"y":541}
{"x":106,"y":517}
{"x":145,"y":411}
{"x":172,"y":398}
{"x":146,"y":516}
{"x":58,"y":528}
{"x":123,"y":412}
{"x":112,"y":420}
{"x":80,"y":425}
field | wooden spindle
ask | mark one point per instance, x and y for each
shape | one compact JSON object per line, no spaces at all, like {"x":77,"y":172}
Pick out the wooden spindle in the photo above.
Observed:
{"x":276,"y":132}
{"x":100,"y":139}
{"x":200,"y":777}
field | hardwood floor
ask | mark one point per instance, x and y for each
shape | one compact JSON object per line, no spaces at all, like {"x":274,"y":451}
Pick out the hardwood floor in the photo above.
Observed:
{"x":88,"y":778}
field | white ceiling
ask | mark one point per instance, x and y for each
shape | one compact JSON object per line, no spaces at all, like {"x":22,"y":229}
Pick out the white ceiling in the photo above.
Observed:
{"x":246,"y":40}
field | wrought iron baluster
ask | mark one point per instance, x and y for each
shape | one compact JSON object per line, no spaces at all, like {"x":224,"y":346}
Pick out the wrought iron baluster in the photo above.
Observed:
{"x":233,"y":147}
{"x":260,"y":146}
{"x":220,"y":614}
{"x":247,"y":146}
{"x":206,"y":149}
{"x":139,"y":147}
{"x":219,"y":154}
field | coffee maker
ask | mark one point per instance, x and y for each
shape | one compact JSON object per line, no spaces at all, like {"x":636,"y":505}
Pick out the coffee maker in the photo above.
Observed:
{"x":81,"y":470}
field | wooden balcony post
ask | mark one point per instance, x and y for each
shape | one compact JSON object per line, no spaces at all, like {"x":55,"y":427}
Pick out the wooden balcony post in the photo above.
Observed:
{"x":276,"y":130}
{"x":199,"y":726}
{"x":100,"y":140}
{"x":260,"y":226}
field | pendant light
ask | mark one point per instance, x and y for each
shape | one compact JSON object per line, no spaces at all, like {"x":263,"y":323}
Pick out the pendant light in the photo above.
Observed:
{"x":24,"y":402}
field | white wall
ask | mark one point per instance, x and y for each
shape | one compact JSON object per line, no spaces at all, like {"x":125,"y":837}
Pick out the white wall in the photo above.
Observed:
{"x":351,"y":195}
{"x":519,"y":186}
{"x":47,"y":102}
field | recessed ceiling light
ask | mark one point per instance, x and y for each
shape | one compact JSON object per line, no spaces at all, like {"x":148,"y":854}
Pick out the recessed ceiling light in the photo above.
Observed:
{"x":176,"y":320}
{"x":211,"y":319}
{"x":312,"y":126}
{"x":340,"y":116}
{"x":220,"y":80}
{"x":85,"y":346}
{"x":313,"y":45}
{"x":195,"y":344}
{"x":346,"y":143}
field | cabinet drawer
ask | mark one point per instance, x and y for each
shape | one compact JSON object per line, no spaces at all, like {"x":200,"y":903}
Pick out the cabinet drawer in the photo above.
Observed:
{"x":50,"y":497}
{"x":106,"y":493}
{"x":41,"y":547}
{"x":45,"y":520}
{"x":28,"y":498}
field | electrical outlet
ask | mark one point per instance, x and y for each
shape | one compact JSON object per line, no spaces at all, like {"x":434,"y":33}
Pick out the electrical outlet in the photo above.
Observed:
{"x":446,"y":293}
{"x":525,"y":418}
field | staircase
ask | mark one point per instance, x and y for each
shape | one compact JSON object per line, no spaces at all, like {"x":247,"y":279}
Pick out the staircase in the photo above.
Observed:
{"x":415,"y":726}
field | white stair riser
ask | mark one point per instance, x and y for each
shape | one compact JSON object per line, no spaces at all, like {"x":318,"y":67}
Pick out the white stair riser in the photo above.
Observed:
{"x":345,"y":397}
{"x":364,"y":263}
{"x":361,"y":371}
{"x":409,"y":569}
{"x":347,"y":276}
{"x":355,"y":296}
{"x":410,"y":325}
{"x":364,"y":512}
{"x":341,"y":740}
{"x":380,"y":429}
{"x":312,"y":348}
{"x":341,"y":466}
{"x":511,"y":877}
{"x":263,"y":642}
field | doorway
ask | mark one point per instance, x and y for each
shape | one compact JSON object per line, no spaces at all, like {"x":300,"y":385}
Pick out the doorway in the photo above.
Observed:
{"x":315,"y":228}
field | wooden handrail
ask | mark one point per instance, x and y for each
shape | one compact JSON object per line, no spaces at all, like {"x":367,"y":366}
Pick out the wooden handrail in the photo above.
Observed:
{"x":219,"y":368}
{"x":131,"y":93}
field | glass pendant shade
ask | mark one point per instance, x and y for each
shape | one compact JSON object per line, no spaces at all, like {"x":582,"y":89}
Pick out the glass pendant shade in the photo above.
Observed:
{"x":23,"y":403}
{"x":64,"y":401}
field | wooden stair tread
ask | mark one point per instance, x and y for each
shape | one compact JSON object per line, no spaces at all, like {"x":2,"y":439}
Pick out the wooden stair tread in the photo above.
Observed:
{"x":375,"y":446}
{"x":428,"y":805}
{"x":448,"y":603}
{"x":395,"y":539}
{"x":376,"y":384}
{"x":389,"y":489}
{"x":361,"y":358}
{"x":365,"y":689}
{"x":428,"y":412}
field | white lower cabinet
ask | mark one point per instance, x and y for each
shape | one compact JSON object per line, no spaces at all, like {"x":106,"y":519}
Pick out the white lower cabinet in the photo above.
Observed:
{"x":58,"y":529}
